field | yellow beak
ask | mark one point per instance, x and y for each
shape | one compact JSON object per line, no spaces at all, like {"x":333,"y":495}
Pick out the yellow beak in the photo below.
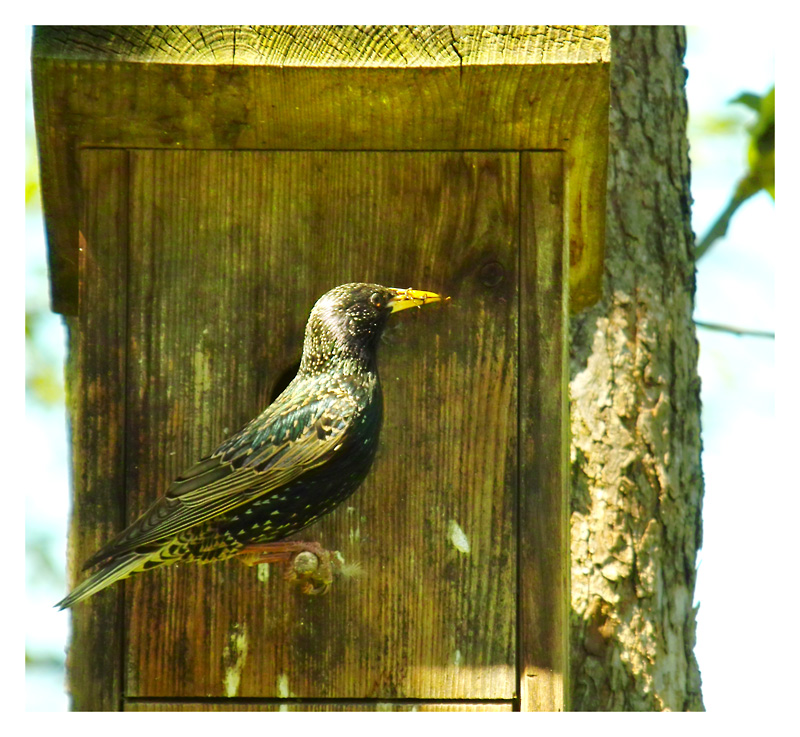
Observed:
{"x":405,"y":298}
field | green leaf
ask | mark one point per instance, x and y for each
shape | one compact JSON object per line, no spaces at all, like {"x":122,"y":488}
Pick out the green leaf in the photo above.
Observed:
{"x":761,"y":153}
{"x":749,"y":99}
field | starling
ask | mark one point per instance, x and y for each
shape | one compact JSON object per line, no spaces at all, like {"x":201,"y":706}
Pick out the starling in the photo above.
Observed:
{"x":301,"y":457}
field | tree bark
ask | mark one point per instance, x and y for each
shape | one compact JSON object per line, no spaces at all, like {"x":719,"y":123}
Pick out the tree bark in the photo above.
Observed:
{"x":635,"y":405}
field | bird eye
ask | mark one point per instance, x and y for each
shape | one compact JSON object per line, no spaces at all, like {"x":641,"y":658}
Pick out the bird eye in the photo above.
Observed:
{"x":377,"y":300}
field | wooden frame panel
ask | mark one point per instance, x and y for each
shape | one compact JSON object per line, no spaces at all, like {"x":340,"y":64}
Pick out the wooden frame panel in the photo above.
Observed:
{"x":320,"y":706}
{"x":544,"y":592}
{"x":96,"y":387}
{"x":541,"y":652}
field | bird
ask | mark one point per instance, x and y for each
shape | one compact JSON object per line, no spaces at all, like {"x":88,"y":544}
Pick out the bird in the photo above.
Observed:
{"x":301,"y":457}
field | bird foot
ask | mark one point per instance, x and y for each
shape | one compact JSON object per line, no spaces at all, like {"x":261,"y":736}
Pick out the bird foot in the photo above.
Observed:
{"x":308,"y":565}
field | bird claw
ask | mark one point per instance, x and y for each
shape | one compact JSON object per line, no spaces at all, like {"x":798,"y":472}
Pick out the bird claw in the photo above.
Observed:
{"x":308,"y":565}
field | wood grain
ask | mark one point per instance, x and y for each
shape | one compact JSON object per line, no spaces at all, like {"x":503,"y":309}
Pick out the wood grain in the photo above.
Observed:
{"x":95,"y":380}
{"x":337,"y":46}
{"x":324,"y":706}
{"x":544,"y":439}
{"x":227,"y":253}
{"x":324,"y":88}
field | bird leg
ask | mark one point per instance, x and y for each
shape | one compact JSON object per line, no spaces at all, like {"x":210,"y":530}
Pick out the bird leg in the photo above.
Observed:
{"x":307,"y":564}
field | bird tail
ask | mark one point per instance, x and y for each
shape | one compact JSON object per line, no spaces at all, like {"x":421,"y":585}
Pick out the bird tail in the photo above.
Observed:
{"x":114,"y":570}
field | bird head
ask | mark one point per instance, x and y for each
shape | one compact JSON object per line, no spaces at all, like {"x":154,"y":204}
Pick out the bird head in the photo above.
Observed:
{"x":346,"y":323}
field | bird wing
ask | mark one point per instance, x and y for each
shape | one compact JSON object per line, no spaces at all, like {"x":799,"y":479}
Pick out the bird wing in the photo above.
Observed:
{"x":273,"y":450}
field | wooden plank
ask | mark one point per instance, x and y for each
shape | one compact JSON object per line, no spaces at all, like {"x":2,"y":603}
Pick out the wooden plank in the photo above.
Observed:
{"x":228,"y":250}
{"x":328,"y":46}
{"x":319,"y":706}
{"x":325,"y":88}
{"x":544,"y":438}
{"x":95,"y":377}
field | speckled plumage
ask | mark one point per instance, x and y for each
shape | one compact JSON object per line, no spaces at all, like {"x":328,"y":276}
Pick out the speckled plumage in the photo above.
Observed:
{"x":300,"y":458}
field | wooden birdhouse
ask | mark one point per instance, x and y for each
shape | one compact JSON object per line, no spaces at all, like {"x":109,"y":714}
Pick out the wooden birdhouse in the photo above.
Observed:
{"x":202,"y":186}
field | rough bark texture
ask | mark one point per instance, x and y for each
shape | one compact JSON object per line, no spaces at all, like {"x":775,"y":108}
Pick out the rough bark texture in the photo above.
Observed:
{"x":635,"y":407}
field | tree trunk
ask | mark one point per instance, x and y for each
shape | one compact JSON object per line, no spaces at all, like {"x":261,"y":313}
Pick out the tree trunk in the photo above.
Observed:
{"x":635,"y":405}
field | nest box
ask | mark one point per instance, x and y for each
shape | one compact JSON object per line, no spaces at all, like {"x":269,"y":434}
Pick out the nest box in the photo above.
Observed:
{"x":202,"y":186}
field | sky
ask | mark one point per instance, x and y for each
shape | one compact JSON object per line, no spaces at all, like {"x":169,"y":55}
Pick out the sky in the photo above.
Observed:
{"x":735,"y":286}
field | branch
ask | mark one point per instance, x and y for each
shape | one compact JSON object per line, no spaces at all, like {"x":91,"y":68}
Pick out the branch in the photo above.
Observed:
{"x":720,"y":227}
{"x":734,"y":330}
